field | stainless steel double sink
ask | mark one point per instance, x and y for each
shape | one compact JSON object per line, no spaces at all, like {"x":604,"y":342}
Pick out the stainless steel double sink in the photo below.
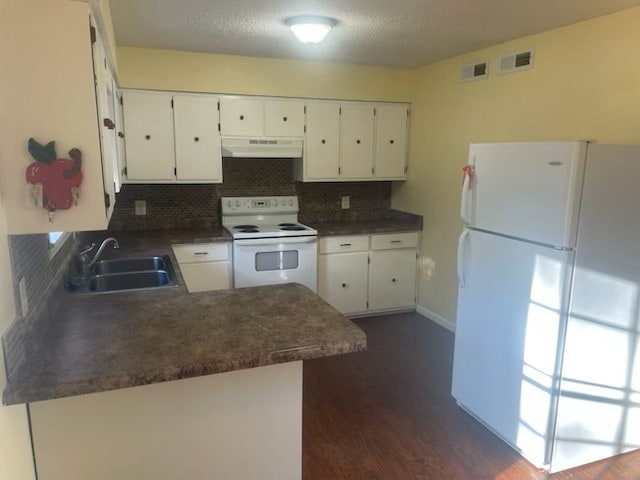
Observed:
{"x":128,"y":274}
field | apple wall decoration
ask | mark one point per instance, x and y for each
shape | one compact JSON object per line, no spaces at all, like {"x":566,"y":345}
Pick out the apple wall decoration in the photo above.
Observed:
{"x":60,"y":177}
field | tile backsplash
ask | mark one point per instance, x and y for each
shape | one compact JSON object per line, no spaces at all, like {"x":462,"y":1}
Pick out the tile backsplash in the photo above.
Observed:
{"x":175,"y":206}
{"x":43,"y":276}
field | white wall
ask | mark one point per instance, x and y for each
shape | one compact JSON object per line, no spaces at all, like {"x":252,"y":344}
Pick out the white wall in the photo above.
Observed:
{"x":15,"y":447}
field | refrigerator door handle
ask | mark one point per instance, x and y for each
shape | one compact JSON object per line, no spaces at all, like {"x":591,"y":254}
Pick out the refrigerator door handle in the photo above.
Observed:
{"x":465,"y":200}
{"x":462,"y":241}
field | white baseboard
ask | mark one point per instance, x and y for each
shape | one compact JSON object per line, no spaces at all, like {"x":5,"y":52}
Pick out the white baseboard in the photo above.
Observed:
{"x":434,"y":317}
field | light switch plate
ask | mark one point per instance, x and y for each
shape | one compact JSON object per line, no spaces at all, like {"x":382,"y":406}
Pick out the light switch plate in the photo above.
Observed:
{"x":346,"y":202}
{"x":140,"y":207}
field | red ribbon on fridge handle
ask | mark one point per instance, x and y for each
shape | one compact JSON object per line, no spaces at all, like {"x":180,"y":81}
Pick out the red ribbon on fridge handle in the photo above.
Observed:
{"x":467,"y":171}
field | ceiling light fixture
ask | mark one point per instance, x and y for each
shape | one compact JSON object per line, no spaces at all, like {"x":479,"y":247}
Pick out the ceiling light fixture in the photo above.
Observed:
{"x":310,"y":29}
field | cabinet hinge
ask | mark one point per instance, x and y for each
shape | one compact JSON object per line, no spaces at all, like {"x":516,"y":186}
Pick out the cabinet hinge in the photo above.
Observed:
{"x":374,"y":112}
{"x":369,"y":259}
{"x":305,"y":129}
{"x":339,"y":170}
{"x":124,"y":170}
{"x":305,"y":109}
{"x":416,"y":255}
{"x":219,"y":127}
{"x":105,"y":62}
{"x":92,"y":34}
{"x":218,"y":105}
{"x":107,"y":200}
{"x":406,"y":168}
{"x":172,"y":103}
{"x":121,"y":100}
{"x":175,"y":171}
{"x":373,"y":170}
{"x":367,"y":305}
{"x":340,"y":111}
{"x":408,"y":113}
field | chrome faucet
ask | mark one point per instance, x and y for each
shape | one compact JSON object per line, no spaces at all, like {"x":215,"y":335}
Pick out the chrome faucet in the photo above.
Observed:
{"x":85,"y":263}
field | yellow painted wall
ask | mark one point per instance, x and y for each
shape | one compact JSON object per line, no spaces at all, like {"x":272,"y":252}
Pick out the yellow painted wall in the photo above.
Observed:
{"x":585,"y":83}
{"x":205,"y":72}
{"x":15,"y":447}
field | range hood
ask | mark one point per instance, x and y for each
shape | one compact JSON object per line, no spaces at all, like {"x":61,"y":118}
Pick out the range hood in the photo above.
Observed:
{"x":261,"y":148}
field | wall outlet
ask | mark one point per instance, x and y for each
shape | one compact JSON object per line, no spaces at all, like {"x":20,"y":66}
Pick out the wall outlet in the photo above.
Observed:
{"x":140,"y":207}
{"x":346,"y":202}
{"x":24,"y":299}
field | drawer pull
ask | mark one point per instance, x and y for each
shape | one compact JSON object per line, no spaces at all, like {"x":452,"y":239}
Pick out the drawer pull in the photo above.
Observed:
{"x":196,"y":139}
{"x":345,"y":244}
{"x":241,"y":117}
{"x":284,"y":119}
{"x":344,"y":285}
{"x":396,"y":241}
{"x":147,"y":137}
{"x":393,"y":280}
{"x":201,"y":253}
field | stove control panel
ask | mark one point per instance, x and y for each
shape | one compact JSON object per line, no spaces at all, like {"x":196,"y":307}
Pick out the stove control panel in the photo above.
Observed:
{"x":258,"y":205}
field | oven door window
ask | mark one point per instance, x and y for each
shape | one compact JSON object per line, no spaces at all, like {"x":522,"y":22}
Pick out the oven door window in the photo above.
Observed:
{"x":273,"y":261}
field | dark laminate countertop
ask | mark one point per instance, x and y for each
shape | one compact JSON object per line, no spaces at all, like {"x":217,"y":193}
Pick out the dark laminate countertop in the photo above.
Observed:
{"x":385,"y":225}
{"x":106,"y":342}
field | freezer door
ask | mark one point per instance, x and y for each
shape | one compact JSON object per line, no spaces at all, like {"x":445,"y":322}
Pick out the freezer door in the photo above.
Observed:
{"x":599,"y":408}
{"x":525,"y":190}
{"x":510,"y":315}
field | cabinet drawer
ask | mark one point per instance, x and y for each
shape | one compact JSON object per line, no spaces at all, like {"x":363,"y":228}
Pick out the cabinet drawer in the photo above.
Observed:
{"x":201,"y":252}
{"x":394,"y":240}
{"x":357,"y":243}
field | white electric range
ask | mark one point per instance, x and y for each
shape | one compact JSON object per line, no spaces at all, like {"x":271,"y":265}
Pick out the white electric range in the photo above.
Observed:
{"x":269,"y":244}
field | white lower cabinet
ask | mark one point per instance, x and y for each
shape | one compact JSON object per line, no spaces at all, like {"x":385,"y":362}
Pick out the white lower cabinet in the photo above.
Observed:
{"x":204,"y":266}
{"x":368,"y":273}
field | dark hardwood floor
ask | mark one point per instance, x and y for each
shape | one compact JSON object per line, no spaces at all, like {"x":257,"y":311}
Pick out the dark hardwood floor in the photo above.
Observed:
{"x":387,"y":413}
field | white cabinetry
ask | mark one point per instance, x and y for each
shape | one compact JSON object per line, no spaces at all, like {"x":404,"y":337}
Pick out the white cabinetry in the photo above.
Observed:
{"x":49,"y":93}
{"x":342,"y":272}
{"x":260,"y":117}
{"x":356,"y":141}
{"x":197,"y":138}
{"x":171,"y":138}
{"x":391,"y":141}
{"x":205,"y":266}
{"x":322,"y":155}
{"x":362,"y":273}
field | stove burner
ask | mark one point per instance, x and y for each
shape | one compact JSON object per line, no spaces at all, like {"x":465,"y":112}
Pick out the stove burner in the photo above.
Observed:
{"x":248,"y":230}
{"x":242,"y":227}
{"x":287,"y":224}
{"x":292,"y":228}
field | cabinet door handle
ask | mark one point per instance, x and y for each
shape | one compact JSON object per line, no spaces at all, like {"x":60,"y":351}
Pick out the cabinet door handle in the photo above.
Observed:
{"x":147,"y":137}
{"x":358,"y":142}
{"x":241,"y":117}
{"x":393,"y":280}
{"x":196,"y":139}
{"x":108,"y":123}
{"x":201,"y":253}
{"x":345,"y":244}
{"x":284,"y":119}
{"x":121,"y":135}
{"x":344,"y":285}
{"x":324,"y":141}
{"x":391,"y":142}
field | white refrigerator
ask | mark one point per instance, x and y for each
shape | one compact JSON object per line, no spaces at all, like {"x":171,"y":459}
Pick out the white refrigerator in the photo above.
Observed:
{"x":547,"y":346}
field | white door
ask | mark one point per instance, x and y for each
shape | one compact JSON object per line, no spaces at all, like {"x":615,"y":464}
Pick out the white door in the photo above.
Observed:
{"x":148,"y":120}
{"x":356,"y":132}
{"x":525,"y":190}
{"x":392,"y":279}
{"x":597,"y":414}
{"x":198,"y":149}
{"x":391,"y":141}
{"x":509,"y":318}
{"x":322,"y":154}
{"x":241,"y":117}
{"x":284,"y":118}
{"x":342,"y":280}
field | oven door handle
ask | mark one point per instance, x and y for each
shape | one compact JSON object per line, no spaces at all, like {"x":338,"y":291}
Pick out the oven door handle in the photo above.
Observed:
{"x":255,"y":242}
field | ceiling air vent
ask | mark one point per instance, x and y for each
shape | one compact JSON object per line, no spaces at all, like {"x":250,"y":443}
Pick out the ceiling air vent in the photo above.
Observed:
{"x":514,"y":62}
{"x":475,"y":71}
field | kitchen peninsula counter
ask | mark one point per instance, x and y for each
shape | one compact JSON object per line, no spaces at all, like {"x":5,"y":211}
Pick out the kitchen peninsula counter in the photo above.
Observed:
{"x":119,"y":340}
{"x":393,"y":222}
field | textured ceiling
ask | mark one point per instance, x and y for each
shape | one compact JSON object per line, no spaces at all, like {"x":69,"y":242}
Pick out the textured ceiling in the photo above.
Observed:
{"x":397,"y":33}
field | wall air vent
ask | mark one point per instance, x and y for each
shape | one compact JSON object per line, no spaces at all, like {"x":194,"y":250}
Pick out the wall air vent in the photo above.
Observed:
{"x":514,"y":62}
{"x":474,"y":71}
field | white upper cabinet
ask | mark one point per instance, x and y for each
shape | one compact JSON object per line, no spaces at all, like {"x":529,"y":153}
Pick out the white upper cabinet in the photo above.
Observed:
{"x":198,"y":151}
{"x":391,"y":141}
{"x":356,"y":131}
{"x":122,"y":161}
{"x":148,"y":120}
{"x":322,"y":155}
{"x":242,"y":116}
{"x":284,"y":118}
